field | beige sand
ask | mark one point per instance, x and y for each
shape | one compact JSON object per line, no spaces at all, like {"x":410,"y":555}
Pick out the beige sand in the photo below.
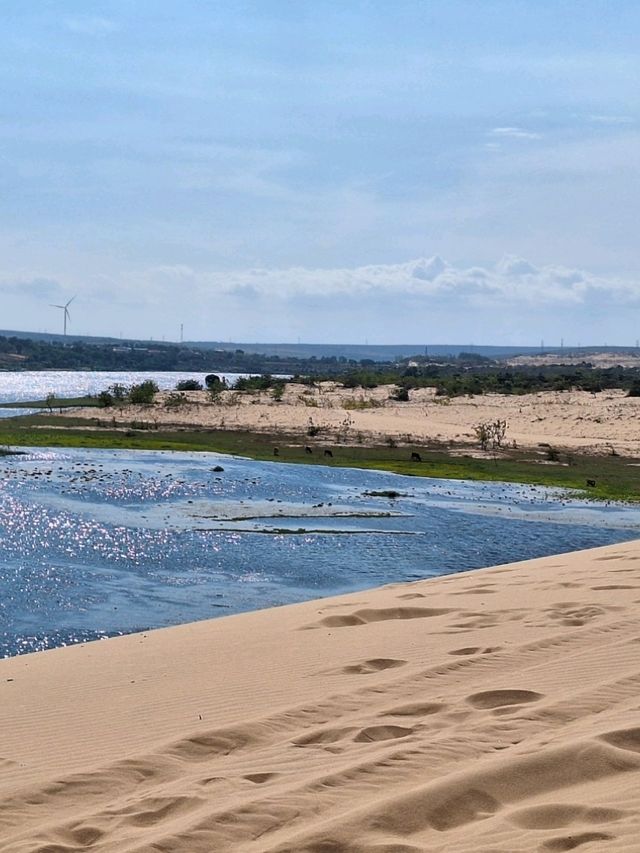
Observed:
{"x":577,"y":420}
{"x":597,"y":359}
{"x":497,"y":710}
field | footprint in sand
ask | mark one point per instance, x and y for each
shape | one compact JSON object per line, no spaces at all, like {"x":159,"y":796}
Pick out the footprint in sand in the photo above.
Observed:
{"x":474,"y":622}
{"x":153,"y":810}
{"x":628,"y":739}
{"x":575,"y":615}
{"x":367,"y":667}
{"x":489,"y":699}
{"x":376,"y":733}
{"x":260,"y":778}
{"x":210,"y":780}
{"x":570,"y":842}
{"x":209,"y":744}
{"x":84,"y":836}
{"x":320,"y":737}
{"x":474,"y":650}
{"x":415,"y":709}
{"x":477,"y":590}
{"x":562,"y":814}
{"x":365,"y":617}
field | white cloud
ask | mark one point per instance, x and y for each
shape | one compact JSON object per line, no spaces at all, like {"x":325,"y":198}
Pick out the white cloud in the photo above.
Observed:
{"x":512,"y":300}
{"x":513,"y":280}
{"x":514,"y":133}
{"x":512,"y":265}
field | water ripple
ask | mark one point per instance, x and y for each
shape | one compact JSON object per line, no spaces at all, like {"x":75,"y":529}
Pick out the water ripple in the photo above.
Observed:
{"x":100,"y":543}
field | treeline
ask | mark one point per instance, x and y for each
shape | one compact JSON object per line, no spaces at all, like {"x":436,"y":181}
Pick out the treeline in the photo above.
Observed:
{"x":453,"y":381}
{"x":26,"y":354}
{"x":468,"y":373}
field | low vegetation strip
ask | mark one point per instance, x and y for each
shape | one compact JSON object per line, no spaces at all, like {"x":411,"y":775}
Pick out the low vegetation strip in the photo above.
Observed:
{"x":52,"y":402}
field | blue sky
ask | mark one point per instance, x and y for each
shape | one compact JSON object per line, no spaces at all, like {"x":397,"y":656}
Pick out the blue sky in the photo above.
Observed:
{"x":331,"y":171}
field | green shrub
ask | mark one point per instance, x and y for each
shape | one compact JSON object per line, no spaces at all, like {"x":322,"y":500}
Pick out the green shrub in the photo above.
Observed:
{"x":118,"y":392}
{"x":143,"y":393}
{"x":400,"y":393}
{"x":175,"y":400}
{"x":189,"y":385}
{"x":105,"y":399}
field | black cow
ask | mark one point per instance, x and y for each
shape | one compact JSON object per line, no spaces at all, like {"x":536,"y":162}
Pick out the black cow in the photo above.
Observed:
{"x":308,"y":449}
{"x":329,"y":453}
{"x":276,"y":451}
{"x":415,"y":457}
{"x":591,"y":483}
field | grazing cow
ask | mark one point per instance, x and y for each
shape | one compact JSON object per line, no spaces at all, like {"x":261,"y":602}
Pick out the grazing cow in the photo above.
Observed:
{"x":328,"y":453}
{"x":415,"y":457}
{"x":308,"y":449}
{"x":276,"y":451}
{"x":591,"y":483}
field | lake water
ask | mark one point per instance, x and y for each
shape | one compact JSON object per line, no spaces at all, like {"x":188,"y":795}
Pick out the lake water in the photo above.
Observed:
{"x":36,"y":384}
{"x":98,"y":543}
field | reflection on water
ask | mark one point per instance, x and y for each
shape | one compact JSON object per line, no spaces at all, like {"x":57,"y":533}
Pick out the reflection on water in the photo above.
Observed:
{"x":36,"y":384}
{"x":96,"y":543}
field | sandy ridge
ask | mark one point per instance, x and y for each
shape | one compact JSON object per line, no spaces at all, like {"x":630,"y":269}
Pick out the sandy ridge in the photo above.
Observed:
{"x":578,"y":420}
{"x":494,"y":710}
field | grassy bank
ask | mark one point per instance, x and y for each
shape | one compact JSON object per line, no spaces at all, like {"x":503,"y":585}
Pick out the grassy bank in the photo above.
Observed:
{"x":616,"y":477}
{"x":53,"y":403}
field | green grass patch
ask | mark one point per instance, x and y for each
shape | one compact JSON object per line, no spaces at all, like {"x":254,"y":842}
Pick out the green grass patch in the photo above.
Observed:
{"x":358,"y":405}
{"x":53,"y":403}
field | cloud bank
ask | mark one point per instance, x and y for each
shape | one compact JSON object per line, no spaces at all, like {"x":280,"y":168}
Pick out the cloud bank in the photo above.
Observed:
{"x":512,"y":280}
{"x":512,"y":301}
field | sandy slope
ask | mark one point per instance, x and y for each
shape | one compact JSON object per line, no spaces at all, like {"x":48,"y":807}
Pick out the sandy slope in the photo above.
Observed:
{"x":576,"y":419}
{"x":497,"y":710}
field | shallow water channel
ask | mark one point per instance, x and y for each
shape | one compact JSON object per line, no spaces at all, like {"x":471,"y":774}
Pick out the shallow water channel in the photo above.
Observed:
{"x":97,"y":543}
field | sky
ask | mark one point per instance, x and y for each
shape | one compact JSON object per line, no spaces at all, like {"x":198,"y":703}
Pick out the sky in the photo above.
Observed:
{"x":334,"y":171}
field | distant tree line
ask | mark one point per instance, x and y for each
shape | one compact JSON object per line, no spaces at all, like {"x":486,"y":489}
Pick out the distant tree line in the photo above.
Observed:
{"x":451,"y":380}
{"x":26,"y":354}
{"x":467,"y":373}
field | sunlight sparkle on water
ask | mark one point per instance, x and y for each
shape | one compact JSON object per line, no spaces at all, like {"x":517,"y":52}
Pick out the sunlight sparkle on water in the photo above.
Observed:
{"x":98,"y":543}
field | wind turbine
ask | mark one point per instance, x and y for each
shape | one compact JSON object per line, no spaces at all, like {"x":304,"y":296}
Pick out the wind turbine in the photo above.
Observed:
{"x":65,"y":309}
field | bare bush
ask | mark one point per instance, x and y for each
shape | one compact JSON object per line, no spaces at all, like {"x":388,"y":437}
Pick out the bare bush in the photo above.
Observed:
{"x":491,"y":434}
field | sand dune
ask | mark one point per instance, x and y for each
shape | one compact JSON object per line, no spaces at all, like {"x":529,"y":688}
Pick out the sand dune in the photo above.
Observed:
{"x":577,"y":420}
{"x":497,"y":710}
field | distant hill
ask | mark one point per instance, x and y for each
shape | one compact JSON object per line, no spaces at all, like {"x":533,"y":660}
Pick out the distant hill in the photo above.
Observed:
{"x":51,"y":337}
{"x":357,"y":352}
{"x":393,"y":352}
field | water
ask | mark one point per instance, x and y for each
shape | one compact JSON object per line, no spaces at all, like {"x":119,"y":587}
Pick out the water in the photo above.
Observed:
{"x":99,"y":543}
{"x":36,"y":384}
